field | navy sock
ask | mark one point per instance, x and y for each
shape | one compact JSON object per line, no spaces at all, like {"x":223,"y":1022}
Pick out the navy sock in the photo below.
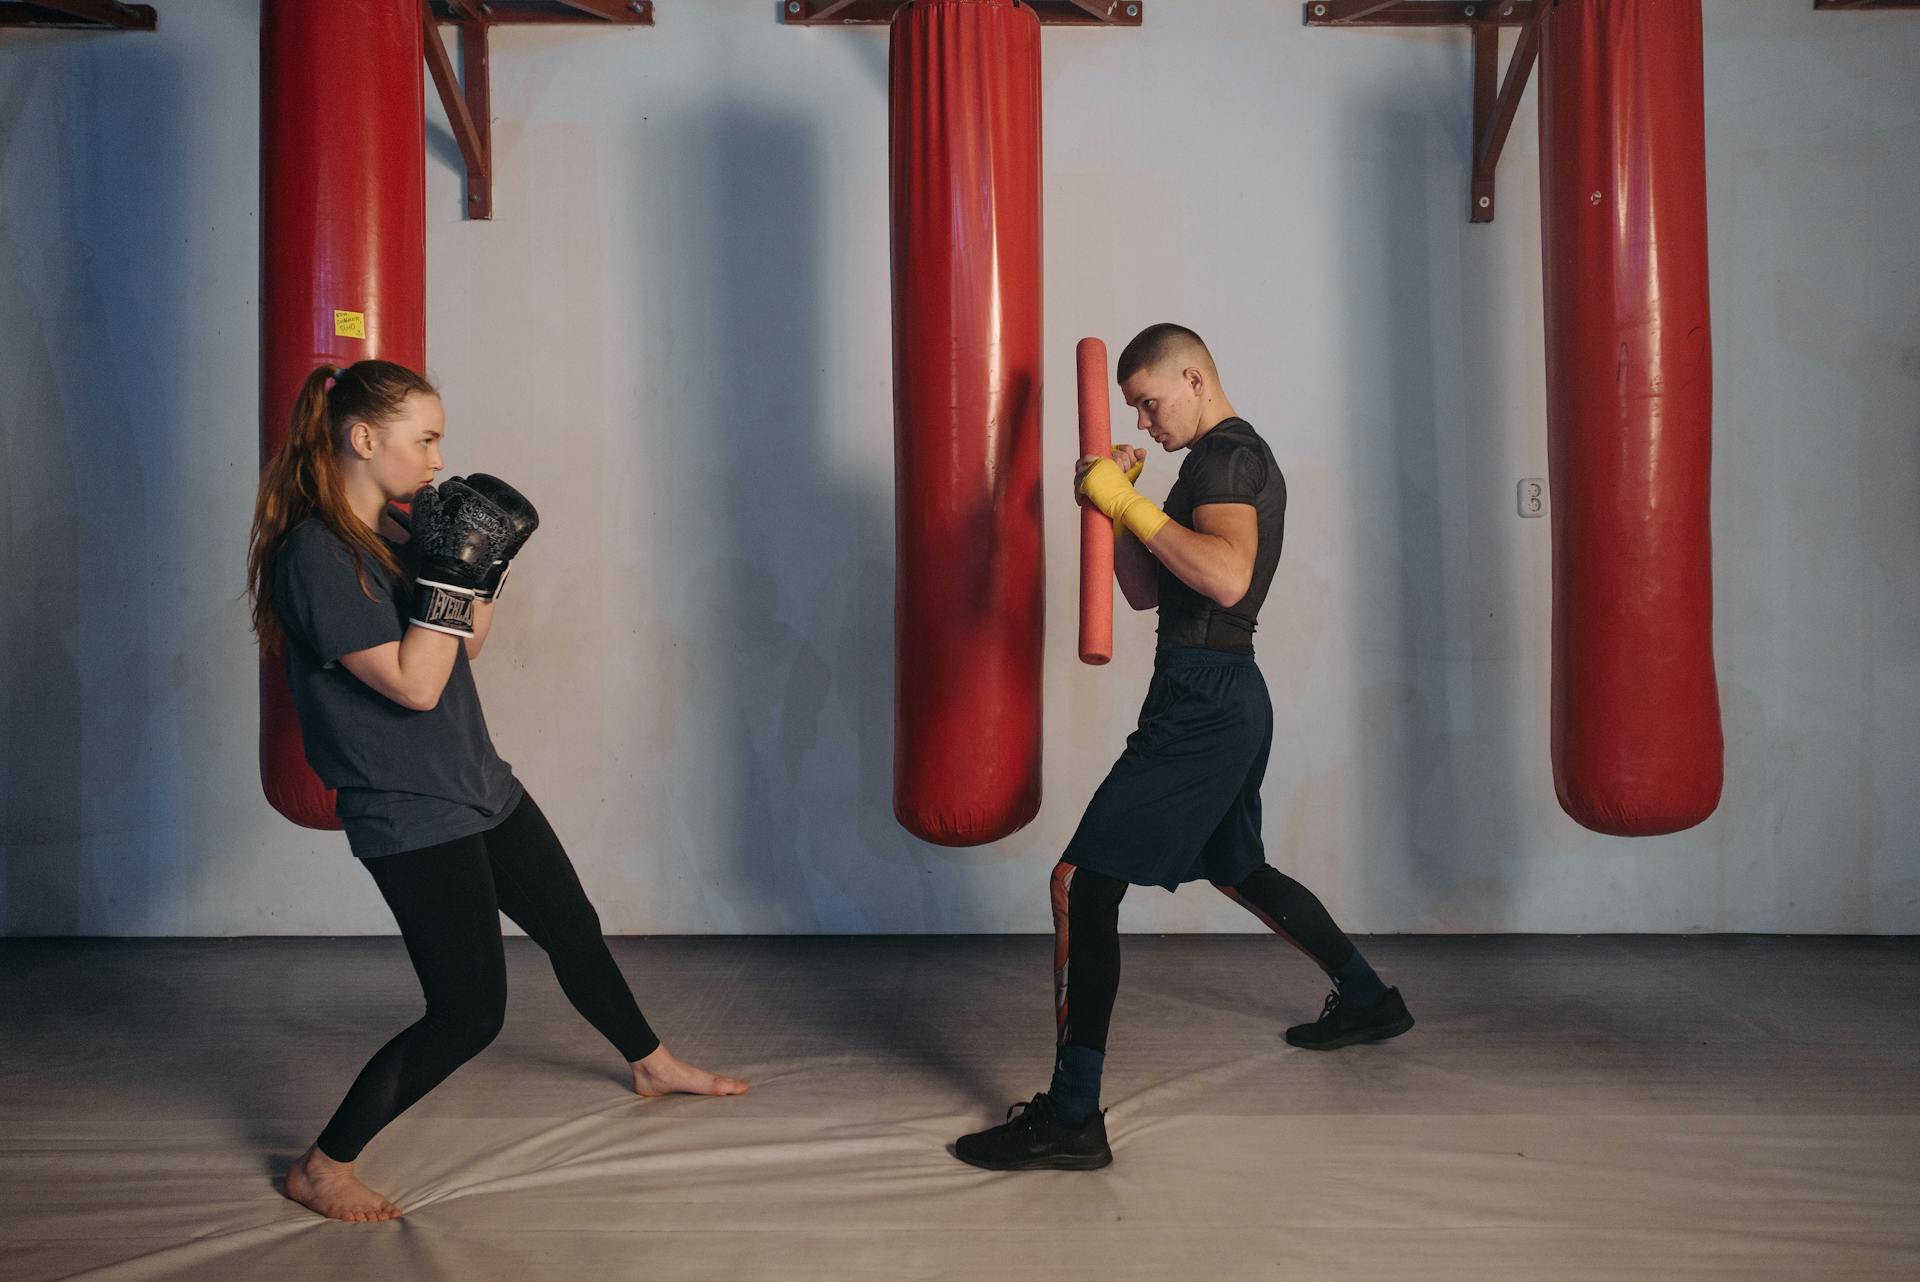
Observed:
{"x":1076,"y":1084}
{"x":1357,"y":982}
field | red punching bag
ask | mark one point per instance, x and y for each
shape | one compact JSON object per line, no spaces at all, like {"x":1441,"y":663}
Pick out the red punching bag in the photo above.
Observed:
{"x":342,"y":251}
{"x":1636,"y":715}
{"x":969,"y":602}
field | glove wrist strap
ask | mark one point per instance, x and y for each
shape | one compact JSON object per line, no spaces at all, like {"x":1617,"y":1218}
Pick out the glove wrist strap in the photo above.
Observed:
{"x":442,"y":607}
{"x":496,"y":580}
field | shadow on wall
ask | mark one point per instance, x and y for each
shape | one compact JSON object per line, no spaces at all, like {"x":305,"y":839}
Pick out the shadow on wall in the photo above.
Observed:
{"x":1434,"y":768}
{"x":788,"y":572}
{"x":788,"y":578}
{"x":92,"y":361}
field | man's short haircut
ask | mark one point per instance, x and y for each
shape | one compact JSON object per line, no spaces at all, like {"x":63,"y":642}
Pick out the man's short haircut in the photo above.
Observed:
{"x":1157,"y":343}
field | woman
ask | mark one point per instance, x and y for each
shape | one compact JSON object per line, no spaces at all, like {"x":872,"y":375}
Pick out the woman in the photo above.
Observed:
{"x":378,"y":635}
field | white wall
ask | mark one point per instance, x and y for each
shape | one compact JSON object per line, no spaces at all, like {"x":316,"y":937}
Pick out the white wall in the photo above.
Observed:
{"x":675,"y":337}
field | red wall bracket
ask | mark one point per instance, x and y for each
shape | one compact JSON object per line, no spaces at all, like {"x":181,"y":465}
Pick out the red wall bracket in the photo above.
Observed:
{"x":1495,"y":99}
{"x":878,"y":13}
{"x":468,"y":97}
{"x":80,"y":15}
{"x":1416,"y":13}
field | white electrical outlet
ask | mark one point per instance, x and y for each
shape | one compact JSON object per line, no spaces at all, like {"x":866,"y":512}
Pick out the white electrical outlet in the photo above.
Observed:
{"x":1533,"y":497}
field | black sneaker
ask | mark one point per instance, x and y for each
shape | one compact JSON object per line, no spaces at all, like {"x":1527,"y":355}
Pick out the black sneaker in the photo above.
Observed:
{"x":1341,"y":1024}
{"x":1037,"y":1140}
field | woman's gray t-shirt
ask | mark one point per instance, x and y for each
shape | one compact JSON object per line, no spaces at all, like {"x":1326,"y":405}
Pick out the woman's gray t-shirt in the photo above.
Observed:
{"x":402,"y":779}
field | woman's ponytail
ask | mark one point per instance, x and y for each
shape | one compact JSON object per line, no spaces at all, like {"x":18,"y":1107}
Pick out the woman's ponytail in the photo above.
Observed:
{"x":303,"y":478}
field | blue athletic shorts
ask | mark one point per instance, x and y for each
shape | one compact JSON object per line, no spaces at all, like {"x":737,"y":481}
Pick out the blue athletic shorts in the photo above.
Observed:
{"x":1183,"y":801}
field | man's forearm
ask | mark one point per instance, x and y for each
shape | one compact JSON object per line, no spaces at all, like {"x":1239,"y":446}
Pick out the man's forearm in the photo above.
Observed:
{"x":1207,"y":563}
{"x":1136,"y":570}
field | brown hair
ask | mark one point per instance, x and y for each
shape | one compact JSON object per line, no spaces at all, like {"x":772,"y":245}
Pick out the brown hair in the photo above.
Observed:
{"x":303,"y":478}
{"x":1155,"y":344}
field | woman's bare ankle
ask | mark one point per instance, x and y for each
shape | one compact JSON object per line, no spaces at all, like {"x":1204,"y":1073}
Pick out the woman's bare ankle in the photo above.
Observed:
{"x":316,"y":1160}
{"x":663,"y":1073}
{"x":331,"y":1189}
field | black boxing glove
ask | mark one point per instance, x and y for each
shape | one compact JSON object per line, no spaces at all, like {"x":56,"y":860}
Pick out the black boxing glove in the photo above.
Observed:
{"x":521,"y":521}
{"x":458,"y":535}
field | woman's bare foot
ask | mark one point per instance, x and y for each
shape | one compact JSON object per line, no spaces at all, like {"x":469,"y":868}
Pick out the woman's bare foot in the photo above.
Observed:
{"x":321,"y":1184}
{"x":661,"y":1074}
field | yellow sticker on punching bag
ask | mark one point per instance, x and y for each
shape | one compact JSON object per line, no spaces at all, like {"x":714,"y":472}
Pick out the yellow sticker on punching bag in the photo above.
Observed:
{"x":349,"y":324}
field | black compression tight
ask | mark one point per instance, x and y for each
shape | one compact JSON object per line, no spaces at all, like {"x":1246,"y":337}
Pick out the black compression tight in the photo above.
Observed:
{"x":1086,"y":926}
{"x":448,"y":900}
{"x":1294,"y":913}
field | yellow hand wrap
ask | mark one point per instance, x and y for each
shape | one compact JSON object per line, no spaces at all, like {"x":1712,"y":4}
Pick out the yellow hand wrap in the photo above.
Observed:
{"x":1108,"y":489}
{"x":1133,"y":474}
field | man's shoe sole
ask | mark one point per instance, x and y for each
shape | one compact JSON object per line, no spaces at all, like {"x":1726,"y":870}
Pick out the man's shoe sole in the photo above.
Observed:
{"x":1356,"y":1037}
{"x":1058,"y":1162}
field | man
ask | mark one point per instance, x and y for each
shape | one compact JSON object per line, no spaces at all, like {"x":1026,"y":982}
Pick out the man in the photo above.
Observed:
{"x":1183,"y":801}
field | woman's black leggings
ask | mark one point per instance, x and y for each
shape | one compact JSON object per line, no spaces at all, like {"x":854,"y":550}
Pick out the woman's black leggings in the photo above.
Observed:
{"x":1086,"y":939}
{"x":448,"y":900}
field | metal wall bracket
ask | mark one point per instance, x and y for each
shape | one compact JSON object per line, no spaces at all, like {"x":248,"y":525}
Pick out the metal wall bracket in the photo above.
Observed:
{"x":80,"y":15}
{"x":468,"y":97}
{"x":1052,"y":13}
{"x":1495,"y":99}
{"x":1416,"y":13}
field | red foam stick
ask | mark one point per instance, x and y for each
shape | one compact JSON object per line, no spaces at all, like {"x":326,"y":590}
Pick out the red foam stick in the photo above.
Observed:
{"x":1096,"y":531}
